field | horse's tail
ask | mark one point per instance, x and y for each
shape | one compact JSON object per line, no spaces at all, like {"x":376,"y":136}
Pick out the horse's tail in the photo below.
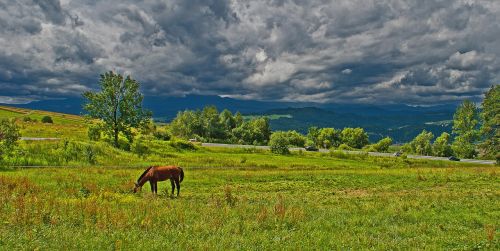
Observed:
{"x":182,"y":174}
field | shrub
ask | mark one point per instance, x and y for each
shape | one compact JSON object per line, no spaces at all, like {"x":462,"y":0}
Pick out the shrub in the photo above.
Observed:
{"x":9,"y":135}
{"x":182,"y":144}
{"x":162,"y":135}
{"x":381,"y":146}
{"x":279,"y":143}
{"x":139,"y":147}
{"x":94,"y":132}
{"x":345,"y":147}
{"x":47,"y":119}
{"x":27,"y":119}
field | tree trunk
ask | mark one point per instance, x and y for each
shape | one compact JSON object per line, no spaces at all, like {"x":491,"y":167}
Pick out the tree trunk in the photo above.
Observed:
{"x":116,"y":137}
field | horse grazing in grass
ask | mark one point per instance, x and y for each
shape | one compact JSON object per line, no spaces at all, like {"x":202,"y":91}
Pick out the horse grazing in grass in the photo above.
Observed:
{"x":160,"y":173}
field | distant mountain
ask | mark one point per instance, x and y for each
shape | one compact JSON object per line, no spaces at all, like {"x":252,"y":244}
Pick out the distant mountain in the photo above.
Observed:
{"x":401,"y":122}
{"x":166,"y":108}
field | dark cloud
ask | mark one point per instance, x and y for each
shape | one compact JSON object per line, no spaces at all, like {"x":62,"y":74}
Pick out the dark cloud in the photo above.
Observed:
{"x":389,"y":51}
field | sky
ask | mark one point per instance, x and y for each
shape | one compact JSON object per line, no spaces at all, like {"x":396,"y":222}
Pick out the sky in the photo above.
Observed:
{"x":417,"y":52}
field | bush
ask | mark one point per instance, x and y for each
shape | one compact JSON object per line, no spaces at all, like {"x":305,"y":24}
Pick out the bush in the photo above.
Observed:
{"x":162,"y":135}
{"x":9,"y":135}
{"x":182,"y":144}
{"x":381,"y":146}
{"x":139,"y":147}
{"x":94,"y":132}
{"x":345,"y":147}
{"x":47,"y":119}
{"x":27,"y":119}
{"x":279,"y":143}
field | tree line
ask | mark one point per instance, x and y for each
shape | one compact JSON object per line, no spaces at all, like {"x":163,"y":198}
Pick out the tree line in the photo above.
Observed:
{"x":118,"y":108}
{"x":475,"y":132}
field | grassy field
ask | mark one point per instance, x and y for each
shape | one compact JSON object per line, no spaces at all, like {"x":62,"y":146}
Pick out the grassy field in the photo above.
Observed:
{"x":93,"y":208}
{"x":239,"y":199}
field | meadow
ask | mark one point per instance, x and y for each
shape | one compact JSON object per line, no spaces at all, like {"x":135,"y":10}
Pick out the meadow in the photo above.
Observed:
{"x":76,"y":194}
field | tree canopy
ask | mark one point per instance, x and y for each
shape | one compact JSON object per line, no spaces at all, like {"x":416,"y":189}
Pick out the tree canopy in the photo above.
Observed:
{"x":118,"y":104}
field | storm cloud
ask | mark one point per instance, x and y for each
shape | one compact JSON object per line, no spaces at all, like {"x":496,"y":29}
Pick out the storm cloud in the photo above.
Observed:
{"x":359,"y":51}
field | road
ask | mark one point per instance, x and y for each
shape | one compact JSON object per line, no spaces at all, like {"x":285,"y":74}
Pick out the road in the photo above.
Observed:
{"x":37,"y":139}
{"x":476,"y":161}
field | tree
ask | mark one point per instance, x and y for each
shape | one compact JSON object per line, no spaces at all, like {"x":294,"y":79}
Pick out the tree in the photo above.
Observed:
{"x":295,"y":139}
{"x":382,"y":145}
{"x":279,"y":143}
{"x":227,"y":120}
{"x":328,"y":137}
{"x":490,"y":130}
{"x":421,"y":144}
{"x":187,"y":124}
{"x":9,"y":135}
{"x":441,"y":146}
{"x":465,"y":123}
{"x":118,"y":105}
{"x":312,"y":134}
{"x":354,"y":137}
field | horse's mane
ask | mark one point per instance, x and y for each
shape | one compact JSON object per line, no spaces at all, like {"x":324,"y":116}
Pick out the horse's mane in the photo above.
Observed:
{"x":144,"y":173}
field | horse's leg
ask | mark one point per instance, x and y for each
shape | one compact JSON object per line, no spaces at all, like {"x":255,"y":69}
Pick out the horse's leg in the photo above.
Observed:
{"x":173,"y":186}
{"x":152,"y":184}
{"x":156,"y":187}
{"x":178,"y":184}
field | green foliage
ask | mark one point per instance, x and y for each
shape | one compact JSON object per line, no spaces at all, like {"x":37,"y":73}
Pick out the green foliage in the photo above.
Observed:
{"x":9,"y":135}
{"x":295,"y":139}
{"x":28,"y":119}
{"x":211,"y":126}
{"x":47,"y":119}
{"x":441,"y":146}
{"x":279,"y":143}
{"x":345,"y":147}
{"x":94,"y":132}
{"x":421,"y":144}
{"x":328,"y":137}
{"x":490,"y":130}
{"x":465,"y":122}
{"x":313,"y":134}
{"x":354,"y":137}
{"x":381,"y":146}
{"x":162,"y":134}
{"x":182,"y":144}
{"x":139,"y":147}
{"x":118,"y":105}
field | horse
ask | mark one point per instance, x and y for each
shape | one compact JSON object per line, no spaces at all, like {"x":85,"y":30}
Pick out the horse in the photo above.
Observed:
{"x":160,"y":173}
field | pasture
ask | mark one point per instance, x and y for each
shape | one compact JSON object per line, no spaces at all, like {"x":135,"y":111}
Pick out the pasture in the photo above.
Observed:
{"x":330,"y":203}
{"x":80,"y":197}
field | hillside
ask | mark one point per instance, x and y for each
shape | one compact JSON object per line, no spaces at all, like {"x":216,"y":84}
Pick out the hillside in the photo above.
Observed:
{"x":67,"y":125}
{"x":401,"y":122}
{"x":401,"y":125}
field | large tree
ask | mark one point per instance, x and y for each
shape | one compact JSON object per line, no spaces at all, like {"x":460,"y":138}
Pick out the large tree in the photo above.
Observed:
{"x":465,"y":123}
{"x":490,"y":116}
{"x":118,"y":104}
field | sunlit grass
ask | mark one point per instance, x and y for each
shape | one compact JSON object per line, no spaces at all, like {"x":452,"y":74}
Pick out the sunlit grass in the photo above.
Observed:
{"x":259,"y":208}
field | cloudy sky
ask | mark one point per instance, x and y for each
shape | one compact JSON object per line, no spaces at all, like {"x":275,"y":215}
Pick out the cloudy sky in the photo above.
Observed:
{"x":355,"y":51}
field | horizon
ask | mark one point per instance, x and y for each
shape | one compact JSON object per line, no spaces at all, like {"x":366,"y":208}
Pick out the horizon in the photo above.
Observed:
{"x":349,"y":52}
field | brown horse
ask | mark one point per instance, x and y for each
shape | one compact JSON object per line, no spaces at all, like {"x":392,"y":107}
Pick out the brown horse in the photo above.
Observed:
{"x":160,"y":173}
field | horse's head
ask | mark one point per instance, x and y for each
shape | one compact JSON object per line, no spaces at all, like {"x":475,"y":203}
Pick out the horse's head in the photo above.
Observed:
{"x":137,"y":187}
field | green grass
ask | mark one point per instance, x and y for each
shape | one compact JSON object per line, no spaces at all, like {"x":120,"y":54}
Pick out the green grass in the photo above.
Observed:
{"x":253,"y":208}
{"x":238,"y":199}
